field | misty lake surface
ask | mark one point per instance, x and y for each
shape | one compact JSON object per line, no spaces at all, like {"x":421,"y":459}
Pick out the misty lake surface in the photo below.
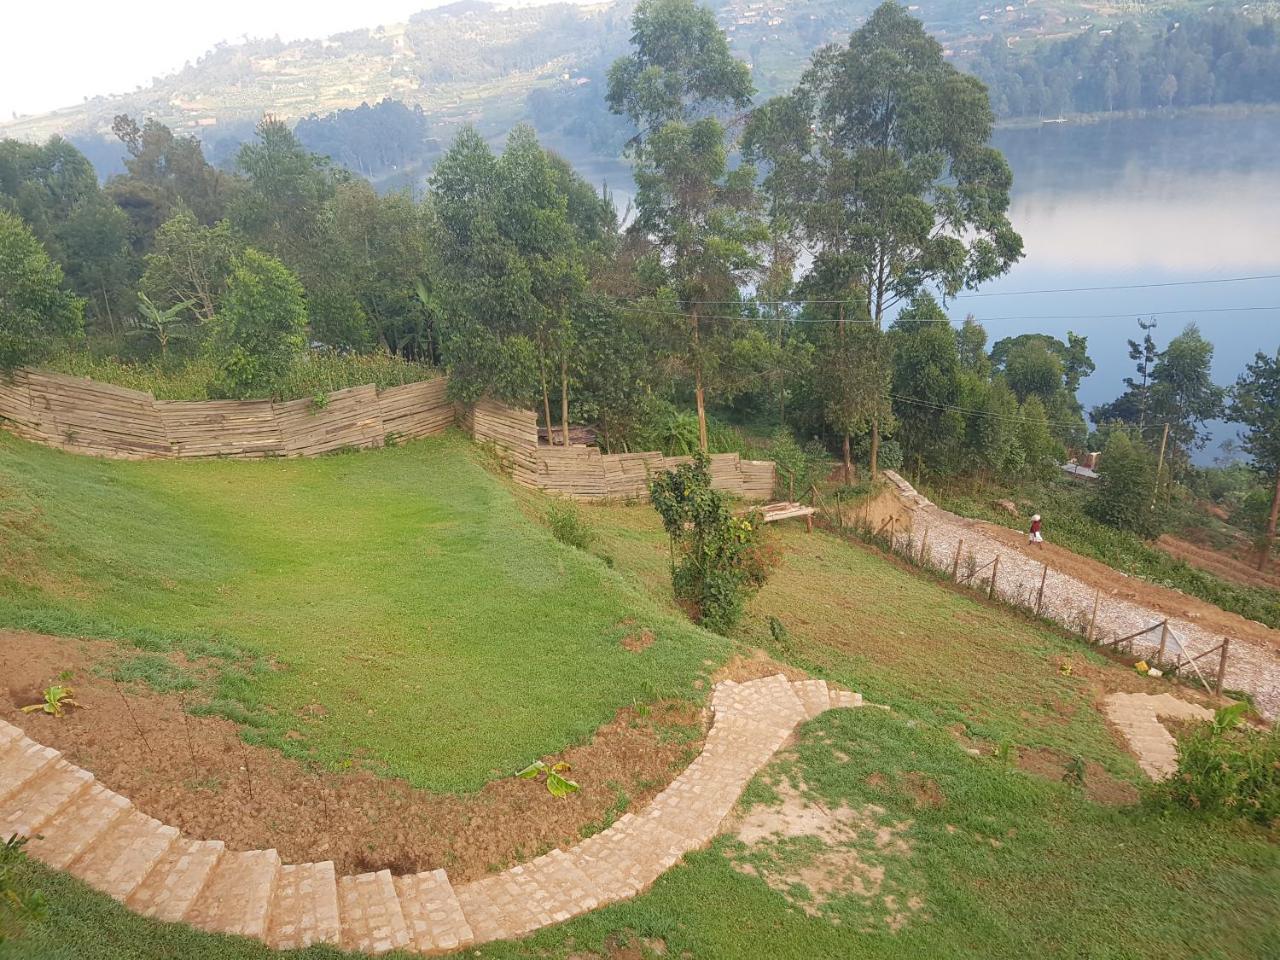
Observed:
{"x":1125,"y":202}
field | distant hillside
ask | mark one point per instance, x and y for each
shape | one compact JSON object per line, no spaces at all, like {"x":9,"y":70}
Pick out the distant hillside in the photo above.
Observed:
{"x":473,"y":62}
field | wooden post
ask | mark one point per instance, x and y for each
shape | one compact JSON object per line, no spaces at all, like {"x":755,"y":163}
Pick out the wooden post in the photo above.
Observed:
{"x":839,"y":510}
{"x":995,"y":569}
{"x":1097,"y":595}
{"x":1164,"y":639}
{"x":1164,"y":439}
{"x":1040,"y":596}
{"x":1222,"y":666}
{"x":791,"y":488}
{"x":893,"y":531}
{"x":955,"y":564}
{"x":924,"y":546}
{"x":808,"y":523}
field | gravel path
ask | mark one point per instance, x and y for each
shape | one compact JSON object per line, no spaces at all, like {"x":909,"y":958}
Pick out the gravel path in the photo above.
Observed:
{"x":1069,"y":601}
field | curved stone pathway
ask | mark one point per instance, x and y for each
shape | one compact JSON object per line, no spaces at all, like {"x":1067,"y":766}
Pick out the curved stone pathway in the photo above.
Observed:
{"x":1137,"y":716}
{"x":78,"y":825}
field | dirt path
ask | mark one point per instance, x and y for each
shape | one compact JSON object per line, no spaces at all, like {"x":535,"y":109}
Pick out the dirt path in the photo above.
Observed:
{"x":1126,"y":604}
{"x":1220,"y":564}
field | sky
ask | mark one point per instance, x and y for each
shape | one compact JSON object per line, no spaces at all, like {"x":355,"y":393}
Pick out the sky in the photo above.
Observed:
{"x":56,"y":58}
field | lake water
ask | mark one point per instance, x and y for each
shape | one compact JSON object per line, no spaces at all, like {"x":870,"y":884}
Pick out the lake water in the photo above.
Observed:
{"x":1152,"y":201}
{"x":1123,"y":203}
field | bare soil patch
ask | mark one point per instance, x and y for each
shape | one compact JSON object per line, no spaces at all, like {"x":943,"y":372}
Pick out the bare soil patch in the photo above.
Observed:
{"x":1228,"y":566}
{"x":198,"y":775}
{"x":1099,"y":785}
{"x":813,"y":854}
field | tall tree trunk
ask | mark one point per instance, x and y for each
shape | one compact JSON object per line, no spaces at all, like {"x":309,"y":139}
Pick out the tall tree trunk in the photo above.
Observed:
{"x":874,"y":465}
{"x":564,"y":399}
{"x":698,"y":394}
{"x":546,"y":406}
{"x":848,"y":461}
{"x":1269,"y":544}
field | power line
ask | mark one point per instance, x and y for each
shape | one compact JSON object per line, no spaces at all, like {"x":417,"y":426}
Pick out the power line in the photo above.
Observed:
{"x":991,"y":293}
{"x":1076,"y":316}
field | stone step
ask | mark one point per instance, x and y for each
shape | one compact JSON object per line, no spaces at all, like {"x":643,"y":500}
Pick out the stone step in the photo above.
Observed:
{"x":845,"y":698}
{"x":9,"y":733}
{"x":122,"y":856}
{"x":503,"y":906}
{"x":177,"y":879}
{"x":814,"y":694}
{"x":305,"y":908}
{"x":20,"y":762}
{"x":41,"y":797}
{"x":566,"y":890}
{"x":237,"y":898}
{"x":369,"y":909}
{"x":432,"y":912}
{"x":75,"y":827}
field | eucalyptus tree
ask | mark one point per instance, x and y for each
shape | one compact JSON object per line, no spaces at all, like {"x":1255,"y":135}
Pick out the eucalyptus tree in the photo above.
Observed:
{"x":883,"y":155}
{"x":701,"y":218}
{"x":1255,"y":403}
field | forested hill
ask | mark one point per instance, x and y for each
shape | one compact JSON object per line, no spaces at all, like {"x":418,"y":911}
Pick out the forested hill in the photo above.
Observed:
{"x":474,"y":62}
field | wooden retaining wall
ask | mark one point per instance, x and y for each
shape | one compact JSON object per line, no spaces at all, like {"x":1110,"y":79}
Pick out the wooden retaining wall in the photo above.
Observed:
{"x":584,"y":473}
{"x":85,"y":416}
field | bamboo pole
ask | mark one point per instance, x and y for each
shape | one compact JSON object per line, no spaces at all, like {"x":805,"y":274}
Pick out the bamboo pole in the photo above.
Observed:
{"x":1097,"y":595}
{"x":1040,"y":596}
{"x":1222,"y":666}
{"x":955,"y":564}
{"x":995,"y":570}
{"x":1164,"y":640}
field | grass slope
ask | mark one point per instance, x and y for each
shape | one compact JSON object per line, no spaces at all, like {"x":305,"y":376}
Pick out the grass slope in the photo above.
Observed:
{"x":444,"y":636}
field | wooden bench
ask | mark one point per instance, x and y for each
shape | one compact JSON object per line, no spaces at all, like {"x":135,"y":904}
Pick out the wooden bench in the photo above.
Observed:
{"x":785,"y":510}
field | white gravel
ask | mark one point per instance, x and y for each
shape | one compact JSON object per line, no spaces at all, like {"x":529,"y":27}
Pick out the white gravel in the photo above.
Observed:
{"x":1250,"y":666}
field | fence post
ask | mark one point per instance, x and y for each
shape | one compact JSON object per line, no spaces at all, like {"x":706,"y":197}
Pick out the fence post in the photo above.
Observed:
{"x":1164,"y":639}
{"x":1222,"y":665}
{"x":995,"y":569}
{"x":1097,"y":595}
{"x":839,"y":511}
{"x":955,"y":564}
{"x":924,"y":545}
{"x":1040,"y":596}
{"x":893,"y":531}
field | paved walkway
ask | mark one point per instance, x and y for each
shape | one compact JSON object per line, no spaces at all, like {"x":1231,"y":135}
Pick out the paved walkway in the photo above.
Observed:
{"x":1069,"y":601}
{"x":100,"y":837}
{"x":1137,"y":716}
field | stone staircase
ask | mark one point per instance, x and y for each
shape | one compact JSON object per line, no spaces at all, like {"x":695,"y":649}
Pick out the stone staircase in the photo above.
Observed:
{"x":78,"y":825}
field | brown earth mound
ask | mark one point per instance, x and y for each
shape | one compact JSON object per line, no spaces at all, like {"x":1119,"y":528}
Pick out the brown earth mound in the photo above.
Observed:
{"x":198,"y":775}
{"x":1220,"y":564}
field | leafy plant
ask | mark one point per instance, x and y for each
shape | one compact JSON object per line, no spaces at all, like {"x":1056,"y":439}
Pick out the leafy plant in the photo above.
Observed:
{"x":1073,"y":776}
{"x":163,"y":326}
{"x":721,"y":557}
{"x":16,"y":906}
{"x":1225,"y":769}
{"x":56,"y":699}
{"x":552,"y":774}
{"x":567,"y":525}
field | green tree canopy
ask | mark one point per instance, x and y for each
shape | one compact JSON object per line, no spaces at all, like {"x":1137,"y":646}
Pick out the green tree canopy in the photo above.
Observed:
{"x":260,"y":328}
{"x":1255,"y":404}
{"x":35,"y":307}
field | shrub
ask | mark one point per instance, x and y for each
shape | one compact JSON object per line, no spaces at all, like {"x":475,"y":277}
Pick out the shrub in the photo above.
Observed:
{"x":1225,"y":770}
{"x":721,"y":558}
{"x":1126,"y":487}
{"x":260,"y":328}
{"x":566,"y":523}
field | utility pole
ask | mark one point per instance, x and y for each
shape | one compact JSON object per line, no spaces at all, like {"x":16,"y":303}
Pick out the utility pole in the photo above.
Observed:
{"x":1164,"y":440}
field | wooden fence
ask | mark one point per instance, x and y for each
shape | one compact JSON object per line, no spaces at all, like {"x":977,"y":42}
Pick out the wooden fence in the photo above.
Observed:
{"x":585,"y":473}
{"x":85,"y":416}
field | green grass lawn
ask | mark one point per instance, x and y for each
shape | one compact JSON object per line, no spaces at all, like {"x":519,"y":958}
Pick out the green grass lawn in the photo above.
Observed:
{"x":1003,"y":863}
{"x":447,"y":637}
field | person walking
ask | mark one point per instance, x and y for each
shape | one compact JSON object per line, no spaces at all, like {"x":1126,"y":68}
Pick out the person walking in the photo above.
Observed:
{"x":1035,"y":536}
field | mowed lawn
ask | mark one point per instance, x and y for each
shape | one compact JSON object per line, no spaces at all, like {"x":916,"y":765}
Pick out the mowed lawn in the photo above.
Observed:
{"x":392,"y":607}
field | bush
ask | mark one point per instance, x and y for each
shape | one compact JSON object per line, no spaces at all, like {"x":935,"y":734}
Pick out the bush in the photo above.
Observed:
{"x":1225,"y":770}
{"x":721,"y":558}
{"x":260,"y":328}
{"x":1126,"y":487}
{"x":566,"y":523}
